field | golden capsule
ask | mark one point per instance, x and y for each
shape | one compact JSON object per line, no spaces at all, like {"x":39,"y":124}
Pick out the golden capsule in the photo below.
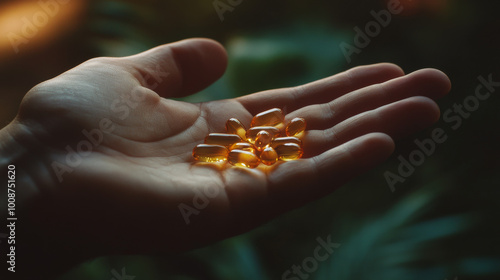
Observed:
{"x":210,"y":153}
{"x":223,"y":139}
{"x":243,"y":159}
{"x":282,"y":140}
{"x":244,"y":146}
{"x":253,"y":131}
{"x":272,"y":117}
{"x":289,"y":151}
{"x":296,"y":127}
{"x":234,"y":126}
{"x":268,"y":156}
{"x":262,"y":139}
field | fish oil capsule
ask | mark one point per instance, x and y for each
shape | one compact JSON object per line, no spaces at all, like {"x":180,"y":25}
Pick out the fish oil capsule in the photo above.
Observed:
{"x":234,"y":126}
{"x":262,"y":139}
{"x":272,"y":117}
{"x":244,"y":146}
{"x":210,"y":153}
{"x":289,"y":151}
{"x":296,"y":127}
{"x":223,"y":139}
{"x":243,"y":159}
{"x":268,"y":156}
{"x":282,"y":140}
{"x":253,"y":131}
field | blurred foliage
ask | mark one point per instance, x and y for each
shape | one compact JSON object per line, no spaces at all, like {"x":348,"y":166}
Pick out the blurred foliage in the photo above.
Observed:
{"x":441,"y":223}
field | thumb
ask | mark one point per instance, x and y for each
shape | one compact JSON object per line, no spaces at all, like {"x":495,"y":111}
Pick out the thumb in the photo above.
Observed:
{"x":181,"y":68}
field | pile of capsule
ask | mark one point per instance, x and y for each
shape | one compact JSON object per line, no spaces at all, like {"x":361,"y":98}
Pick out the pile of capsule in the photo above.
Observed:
{"x":267,"y":141}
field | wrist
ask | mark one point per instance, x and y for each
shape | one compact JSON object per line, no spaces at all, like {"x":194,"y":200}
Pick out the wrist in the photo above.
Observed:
{"x":16,"y":148}
{"x":25,"y":166}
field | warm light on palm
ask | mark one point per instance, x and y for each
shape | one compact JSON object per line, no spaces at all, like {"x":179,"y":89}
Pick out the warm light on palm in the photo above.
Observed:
{"x":132,"y":184}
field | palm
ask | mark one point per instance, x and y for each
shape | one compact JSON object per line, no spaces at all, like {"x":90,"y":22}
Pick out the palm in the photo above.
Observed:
{"x":140,"y":177}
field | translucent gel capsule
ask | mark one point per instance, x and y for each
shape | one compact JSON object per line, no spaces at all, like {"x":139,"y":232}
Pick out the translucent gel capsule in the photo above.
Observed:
{"x":234,"y":126}
{"x":244,"y":146}
{"x":272,"y":117}
{"x":262,"y":139}
{"x":210,"y":153}
{"x":223,"y":139}
{"x":243,"y":159}
{"x":268,"y":156}
{"x":253,"y":131}
{"x":289,"y":151}
{"x":282,"y":140}
{"x":296,"y":127}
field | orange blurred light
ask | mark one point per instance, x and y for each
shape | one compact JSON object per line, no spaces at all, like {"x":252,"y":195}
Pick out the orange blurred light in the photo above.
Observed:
{"x":26,"y":25}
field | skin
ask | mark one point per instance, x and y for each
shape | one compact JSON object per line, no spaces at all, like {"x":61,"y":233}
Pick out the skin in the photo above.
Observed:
{"x":123,"y":197}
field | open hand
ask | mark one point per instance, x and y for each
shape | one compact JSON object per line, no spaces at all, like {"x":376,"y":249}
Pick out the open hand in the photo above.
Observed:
{"x":114,"y":171}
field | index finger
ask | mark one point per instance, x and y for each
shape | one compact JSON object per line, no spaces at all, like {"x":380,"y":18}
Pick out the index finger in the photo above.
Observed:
{"x":321,"y":91}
